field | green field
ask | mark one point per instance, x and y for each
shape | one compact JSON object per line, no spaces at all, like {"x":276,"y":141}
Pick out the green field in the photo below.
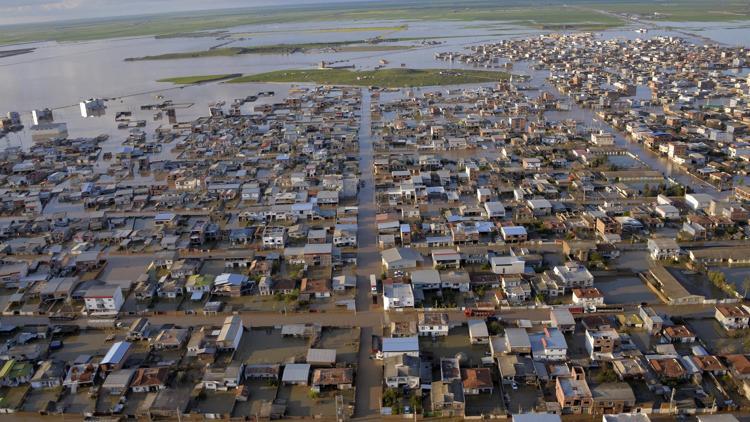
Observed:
{"x":189,"y":80}
{"x":684,"y":11}
{"x":550,"y":14}
{"x":389,"y":78}
{"x":356,"y":45}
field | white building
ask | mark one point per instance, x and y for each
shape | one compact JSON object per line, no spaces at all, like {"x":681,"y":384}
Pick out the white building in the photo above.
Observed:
{"x":507,"y":265}
{"x":92,"y":107}
{"x":514,"y":233}
{"x":478,"y":332}
{"x":663,"y":248}
{"x":667,"y":212}
{"x":698,"y":201}
{"x":494,"y":209}
{"x":433,"y":324}
{"x":602,"y":138}
{"x":274,"y":237}
{"x":588,"y":298}
{"x":397,"y":296}
{"x":732,"y":317}
{"x":103,"y":300}
{"x":549,"y":345}
{"x":230,"y":334}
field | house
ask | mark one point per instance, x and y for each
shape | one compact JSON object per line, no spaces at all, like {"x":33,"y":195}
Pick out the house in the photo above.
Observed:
{"x":563,"y":278}
{"x":601,"y":344}
{"x":345,"y":281}
{"x":678,"y":334}
{"x":50,"y":374}
{"x":402,"y":370}
{"x":698,"y":201}
{"x":169,"y":339}
{"x":138,"y":330}
{"x":263,"y":371}
{"x":116,"y":356}
{"x":455,"y":280}
{"x":477,"y":381}
{"x":397,"y":296}
{"x":433,"y":324}
{"x":321,"y":357}
{"x":400,"y":258}
{"x":229,"y":284}
{"x":539,"y":207}
{"x":202,"y":283}
{"x":103,"y":300}
{"x":425,"y":279}
{"x":668,"y":368}
{"x":562,"y":319}
{"x":516,"y":341}
{"x":81,"y":375}
{"x":447,"y":398}
{"x":507,"y":265}
{"x":663,"y":249}
{"x":317,"y":288}
{"x":732,"y":317}
{"x":317,"y":254}
{"x":494,"y":209}
{"x":296,"y":374}
{"x":149,"y":380}
{"x":739,"y":367}
{"x":478,"y":333}
{"x":337,"y":378}
{"x":612,"y":397}
{"x":230,"y":334}
{"x":514,"y":234}
{"x":667,"y":212}
{"x":274,"y":237}
{"x":589,"y":298}
{"x":218,"y":378}
{"x":549,"y":345}
{"x":652,"y":321}
{"x":14,"y":373}
{"x":628,"y":368}
{"x":573,"y":393}
{"x":394,"y":346}
{"x":118,"y":381}
{"x":345,"y":235}
{"x":446,"y":258}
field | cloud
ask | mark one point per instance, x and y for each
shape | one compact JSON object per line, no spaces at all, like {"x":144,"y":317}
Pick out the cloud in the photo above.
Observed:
{"x":29,"y":11}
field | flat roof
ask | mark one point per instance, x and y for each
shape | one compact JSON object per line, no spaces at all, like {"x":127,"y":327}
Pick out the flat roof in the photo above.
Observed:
{"x":400,"y":344}
{"x":296,"y":372}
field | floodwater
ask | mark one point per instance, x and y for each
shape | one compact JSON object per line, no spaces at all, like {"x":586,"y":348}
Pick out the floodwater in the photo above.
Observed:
{"x":59,"y":75}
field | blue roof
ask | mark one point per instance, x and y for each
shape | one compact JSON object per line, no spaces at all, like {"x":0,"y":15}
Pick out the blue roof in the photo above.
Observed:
{"x":116,"y":352}
{"x":514,"y":230}
{"x":400,"y":344}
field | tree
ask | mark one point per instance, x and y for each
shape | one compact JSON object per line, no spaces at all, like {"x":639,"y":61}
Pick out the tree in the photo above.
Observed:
{"x":416,"y":402}
{"x":312,"y":394}
{"x":606,"y":375}
{"x":391,"y":397}
{"x":746,"y":285}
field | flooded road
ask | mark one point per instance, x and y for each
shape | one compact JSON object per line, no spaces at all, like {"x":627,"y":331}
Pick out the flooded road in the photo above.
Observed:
{"x":369,"y":371}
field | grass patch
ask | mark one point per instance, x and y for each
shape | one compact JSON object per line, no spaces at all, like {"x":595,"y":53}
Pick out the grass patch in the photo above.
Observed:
{"x":391,"y":78}
{"x":197,"y":79}
{"x":357,"y":45}
{"x":364,"y":48}
{"x":569,"y":14}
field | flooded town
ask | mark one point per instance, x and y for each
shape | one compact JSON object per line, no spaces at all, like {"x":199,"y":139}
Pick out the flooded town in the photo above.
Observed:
{"x":389,"y":220}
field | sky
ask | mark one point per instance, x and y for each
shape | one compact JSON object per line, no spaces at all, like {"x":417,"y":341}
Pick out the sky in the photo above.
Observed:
{"x":29,"y":11}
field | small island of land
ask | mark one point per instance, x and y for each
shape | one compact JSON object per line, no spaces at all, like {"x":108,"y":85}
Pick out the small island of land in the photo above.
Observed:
{"x":190,"y":80}
{"x":389,"y":78}
{"x":351,"y":46}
